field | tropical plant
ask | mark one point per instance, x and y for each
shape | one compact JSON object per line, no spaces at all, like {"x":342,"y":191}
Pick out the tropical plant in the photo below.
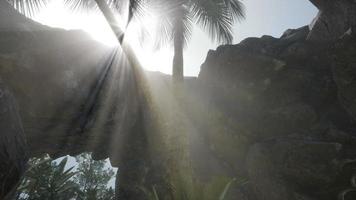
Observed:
{"x":93,"y":178}
{"x":176,"y":18}
{"x":217,"y":189}
{"x":109,"y":194}
{"x":46,"y":179}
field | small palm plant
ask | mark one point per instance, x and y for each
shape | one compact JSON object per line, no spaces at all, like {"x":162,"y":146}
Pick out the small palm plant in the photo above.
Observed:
{"x":217,"y":189}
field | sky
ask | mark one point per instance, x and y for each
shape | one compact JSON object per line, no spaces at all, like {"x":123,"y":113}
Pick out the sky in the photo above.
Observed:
{"x":263,"y":17}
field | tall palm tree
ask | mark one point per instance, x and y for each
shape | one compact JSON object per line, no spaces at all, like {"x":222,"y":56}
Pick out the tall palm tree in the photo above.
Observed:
{"x":175,"y":18}
{"x":176,"y":21}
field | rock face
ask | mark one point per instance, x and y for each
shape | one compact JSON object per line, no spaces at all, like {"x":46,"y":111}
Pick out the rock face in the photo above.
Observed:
{"x":52,"y":83}
{"x":344,"y":72}
{"x":292,"y":99}
{"x":12,"y":141}
{"x":10,"y":20}
{"x":335,"y":18}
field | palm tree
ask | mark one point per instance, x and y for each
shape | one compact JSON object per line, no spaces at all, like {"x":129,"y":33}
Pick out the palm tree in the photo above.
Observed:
{"x":177,"y":17}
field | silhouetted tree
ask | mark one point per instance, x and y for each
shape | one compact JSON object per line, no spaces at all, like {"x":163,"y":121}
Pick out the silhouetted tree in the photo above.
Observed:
{"x":176,"y":18}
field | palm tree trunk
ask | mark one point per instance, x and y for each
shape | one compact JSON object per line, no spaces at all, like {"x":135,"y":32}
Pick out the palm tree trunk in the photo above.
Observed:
{"x":111,"y":19}
{"x":178,"y":60}
{"x":128,"y":184}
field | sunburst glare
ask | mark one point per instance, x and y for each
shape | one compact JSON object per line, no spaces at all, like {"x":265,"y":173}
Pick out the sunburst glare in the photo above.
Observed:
{"x":57,"y":15}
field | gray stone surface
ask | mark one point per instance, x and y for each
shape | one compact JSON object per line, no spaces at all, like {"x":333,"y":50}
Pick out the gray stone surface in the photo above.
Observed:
{"x":11,"y":20}
{"x":334,"y":19}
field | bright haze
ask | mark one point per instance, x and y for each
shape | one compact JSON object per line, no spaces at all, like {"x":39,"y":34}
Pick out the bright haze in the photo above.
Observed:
{"x":263,"y":17}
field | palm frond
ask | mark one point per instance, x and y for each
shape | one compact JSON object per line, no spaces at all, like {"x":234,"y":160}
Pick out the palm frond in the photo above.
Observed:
{"x":28,"y":7}
{"x":184,"y":26}
{"x":173,"y":21}
{"x":136,"y":8}
{"x":215,"y":17}
{"x":129,"y":8}
{"x":81,"y":5}
{"x":236,"y":9}
{"x":143,"y":34}
{"x":163,"y":32}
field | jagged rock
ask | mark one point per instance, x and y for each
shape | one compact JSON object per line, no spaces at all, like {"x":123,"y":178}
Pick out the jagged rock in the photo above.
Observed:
{"x":13,"y":154}
{"x":39,"y":104}
{"x":291,"y":88}
{"x":334,"y":19}
{"x":344,"y":73}
{"x":284,"y":168}
{"x":296,"y":34}
{"x":280,"y":89}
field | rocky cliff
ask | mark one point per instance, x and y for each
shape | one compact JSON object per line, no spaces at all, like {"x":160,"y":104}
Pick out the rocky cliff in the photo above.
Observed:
{"x":290,"y":102}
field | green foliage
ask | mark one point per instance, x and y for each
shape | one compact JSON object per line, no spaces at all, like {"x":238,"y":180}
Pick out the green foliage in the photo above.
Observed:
{"x":176,"y":18}
{"x":109,"y":194}
{"x":46,"y":179}
{"x":151,"y":194}
{"x":217,"y":189}
{"x":93,"y":178}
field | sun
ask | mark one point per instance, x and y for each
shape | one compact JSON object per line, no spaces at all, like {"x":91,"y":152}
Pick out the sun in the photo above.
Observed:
{"x":55,"y":14}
